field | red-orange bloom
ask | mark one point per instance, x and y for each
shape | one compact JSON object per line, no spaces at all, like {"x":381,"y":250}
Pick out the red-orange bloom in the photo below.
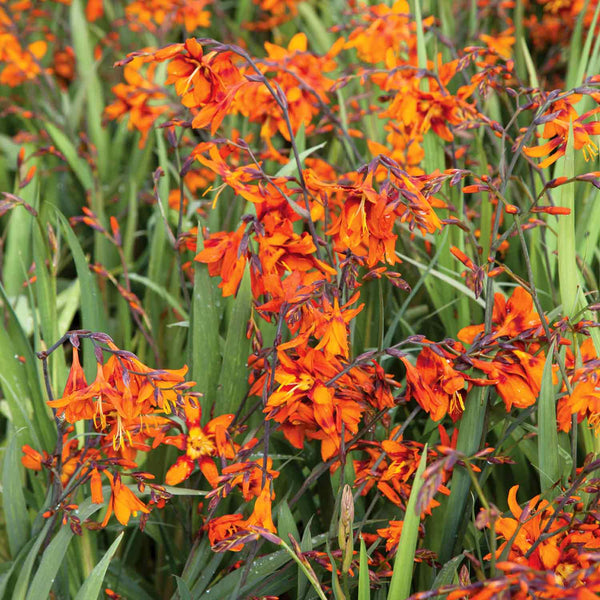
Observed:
{"x":201,"y":445}
{"x":139,"y":98}
{"x":123,"y":502}
{"x":208,"y":82}
{"x":510,"y":318}
{"x":435,"y":385}
{"x":223,"y":256}
{"x":556,"y":130}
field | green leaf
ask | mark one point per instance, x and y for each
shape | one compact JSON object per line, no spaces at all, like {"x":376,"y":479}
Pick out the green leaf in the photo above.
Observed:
{"x":54,"y":555}
{"x":92,"y":310}
{"x":92,"y":586}
{"x":204,"y":355}
{"x":469,"y":437}
{"x":15,"y":388}
{"x":261,"y":569}
{"x":17,"y":247}
{"x":9,"y":568}
{"x":176,"y":491}
{"x":286,"y":523}
{"x":445,"y":278}
{"x":568,"y":273}
{"x":447,"y":574}
{"x":548,"y":447}
{"x":45,"y":293}
{"x":198,"y":563}
{"x":306,"y":546}
{"x":576,"y":50}
{"x":291,"y":166}
{"x":67,"y":148}
{"x":87,"y":72}
{"x":183,"y":589}
{"x":364,"y":587}
{"x":16,"y":518}
{"x":162,"y":292}
{"x":233,"y":380}
{"x":405,"y":555}
{"x":28,"y":371}
{"x":25,"y":572}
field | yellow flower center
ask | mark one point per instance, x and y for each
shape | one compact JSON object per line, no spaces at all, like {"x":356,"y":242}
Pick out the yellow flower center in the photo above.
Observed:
{"x":590,"y":150}
{"x":199,"y":444}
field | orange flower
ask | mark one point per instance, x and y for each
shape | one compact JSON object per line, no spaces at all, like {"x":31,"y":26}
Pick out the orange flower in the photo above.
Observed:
{"x":516,"y":375}
{"x":428,"y":110}
{"x":510,"y":319}
{"x":73,"y":404}
{"x":152,"y":13}
{"x":435,"y":385}
{"x":247,"y":475}
{"x":560,"y":552}
{"x":201,"y":444}
{"x":391,"y":534}
{"x":300,"y":75}
{"x":280,"y":10}
{"x":139,"y":98}
{"x":225,"y":527}
{"x":386,"y":31}
{"x":94,"y":10}
{"x":122,"y":400}
{"x":306,"y":407}
{"x":501,"y":43}
{"x":123,"y":502}
{"x":556,"y":130}
{"x":231,"y":532}
{"x":222,"y":254}
{"x":208,"y":82}
{"x":261,"y":515}
{"x":584,"y":401}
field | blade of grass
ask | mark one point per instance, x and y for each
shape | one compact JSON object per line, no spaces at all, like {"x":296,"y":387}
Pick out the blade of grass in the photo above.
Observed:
{"x":568,"y":274}
{"x":24,"y":574}
{"x":53,"y":556}
{"x":233,"y":379}
{"x":15,"y":389}
{"x":162,"y":292}
{"x":305,"y":546}
{"x":204,"y":354}
{"x":576,"y":55}
{"x":447,"y":574}
{"x":16,"y":519}
{"x":364,"y":588}
{"x":469,"y":438}
{"x":160,"y":253}
{"x":286,"y":524}
{"x":92,"y":586}
{"x":182,"y":589}
{"x":92,"y":309}
{"x":80,"y":167}
{"x":43,"y":425}
{"x":461,"y":287}
{"x":18,"y":243}
{"x":45,"y":295}
{"x":405,"y":554}
{"x":87,"y":72}
{"x":550,"y":469}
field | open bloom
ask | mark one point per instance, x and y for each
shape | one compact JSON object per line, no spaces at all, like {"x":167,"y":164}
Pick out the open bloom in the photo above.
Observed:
{"x":123,"y":502}
{"x":557,"y":129}
{"x":510,"y":317}
{"x":201,"y":446}
{"x":435,"y":385}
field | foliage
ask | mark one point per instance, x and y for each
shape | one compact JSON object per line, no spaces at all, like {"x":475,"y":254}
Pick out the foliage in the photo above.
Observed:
{"x":299,"y":299}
